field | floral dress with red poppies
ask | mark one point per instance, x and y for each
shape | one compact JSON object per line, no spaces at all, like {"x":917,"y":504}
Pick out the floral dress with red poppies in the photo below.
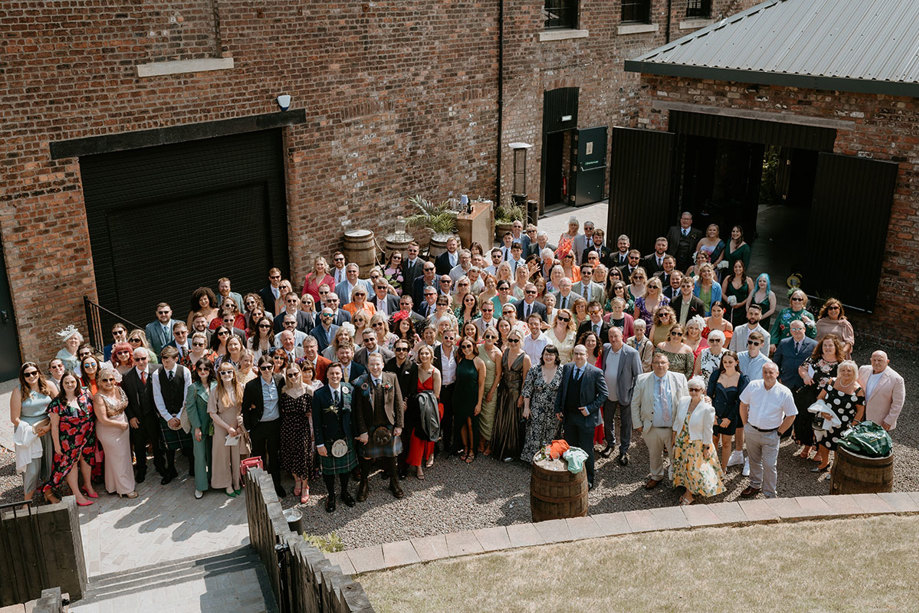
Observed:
{"x":77,"y":435}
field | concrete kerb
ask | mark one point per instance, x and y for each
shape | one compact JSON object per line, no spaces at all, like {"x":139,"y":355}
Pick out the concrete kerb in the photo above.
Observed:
{"x":521,"y":536}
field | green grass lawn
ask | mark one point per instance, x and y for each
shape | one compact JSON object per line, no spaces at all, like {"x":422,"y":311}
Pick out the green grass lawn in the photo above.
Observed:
{"x":841,"y":565}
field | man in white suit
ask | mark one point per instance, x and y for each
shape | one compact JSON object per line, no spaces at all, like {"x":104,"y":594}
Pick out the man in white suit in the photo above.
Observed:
{"x":654,"y":403}
{"x":885,"y":391}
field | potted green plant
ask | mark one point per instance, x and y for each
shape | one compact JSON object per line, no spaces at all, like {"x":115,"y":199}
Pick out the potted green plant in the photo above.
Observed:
{"x":505,"y":216}
{"x":437,"y":221}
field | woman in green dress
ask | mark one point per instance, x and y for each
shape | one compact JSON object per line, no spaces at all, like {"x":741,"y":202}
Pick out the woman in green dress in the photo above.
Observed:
{"x":737,"y":249}
{"x":203,"y":383}
{"x":491,"y":357}
{"x":515,"y":363}
{"x":679,"y":353}
{"x":467,"y":395}
{"x":737,"y":290}
{"x":781,"y":329}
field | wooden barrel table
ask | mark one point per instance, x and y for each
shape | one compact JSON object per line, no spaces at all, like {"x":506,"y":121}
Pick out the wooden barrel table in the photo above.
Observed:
{"x":556,"y":493}
{"x":360,"y":248}
{"x":858,"y":474}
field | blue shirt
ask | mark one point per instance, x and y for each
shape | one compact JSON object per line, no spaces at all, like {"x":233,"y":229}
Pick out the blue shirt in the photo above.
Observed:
{"x":752,"y":367}
{"x":659,"y":420}
{"x":270,"y":399}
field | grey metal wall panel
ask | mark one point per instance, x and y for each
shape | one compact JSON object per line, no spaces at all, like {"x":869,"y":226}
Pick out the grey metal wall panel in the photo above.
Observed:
{"x":752,"y":130}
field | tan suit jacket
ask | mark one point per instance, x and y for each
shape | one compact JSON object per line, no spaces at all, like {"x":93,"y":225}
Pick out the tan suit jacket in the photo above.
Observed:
{"x":643,"y":397}
{"x":887,"y":397}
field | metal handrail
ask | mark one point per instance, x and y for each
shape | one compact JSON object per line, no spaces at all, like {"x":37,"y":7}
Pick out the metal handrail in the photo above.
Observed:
{"x":94,"y":313}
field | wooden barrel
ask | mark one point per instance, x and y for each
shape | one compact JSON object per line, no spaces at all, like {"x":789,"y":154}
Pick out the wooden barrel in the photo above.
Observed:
{"x":360,"y":248}
{"x":857,"y":474}
{"x":556,"y":493}
{"x":438,"y":244}
{"x":397,"y":242}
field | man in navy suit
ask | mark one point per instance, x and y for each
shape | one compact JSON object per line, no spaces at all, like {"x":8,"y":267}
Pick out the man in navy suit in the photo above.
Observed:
{"x":325,"y":331}
{"x":270,"y":293}
{"x":159,"y":332}
{"x":447,"y":260}
{"x":789,"y":355}
{"x":580,"y":396}
{"x":529,"y":305}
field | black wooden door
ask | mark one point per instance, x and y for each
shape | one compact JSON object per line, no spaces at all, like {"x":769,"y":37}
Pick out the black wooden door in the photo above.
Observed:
{"x":9,"y":336}
{"x":166,"y":220}
{"x":641,"y":164}
{"x":848,"y":228}
{"x":589,"y":177}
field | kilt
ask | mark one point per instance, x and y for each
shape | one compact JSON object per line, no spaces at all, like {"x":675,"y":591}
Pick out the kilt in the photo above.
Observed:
{"x":390,"y":450}
{"x":174,"y":439}
{"x":337,"y":466}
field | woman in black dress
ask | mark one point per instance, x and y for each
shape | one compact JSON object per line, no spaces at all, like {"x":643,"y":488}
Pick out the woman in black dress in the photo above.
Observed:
{"x":816,"y":371}
{"x":295,"y":405}
{"x":508,"y":436}
{"x":724,"y":388}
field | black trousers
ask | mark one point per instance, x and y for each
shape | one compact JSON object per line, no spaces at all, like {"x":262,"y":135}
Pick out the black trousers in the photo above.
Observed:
{"x":576,"y":436}
{"x":447,"y":434}
{"x":266,"y":443}
{"x":148,"y":432}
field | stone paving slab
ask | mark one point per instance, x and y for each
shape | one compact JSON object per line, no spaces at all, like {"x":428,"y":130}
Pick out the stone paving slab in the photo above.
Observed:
{"x":399,"y":554}
{"x":430,"y":547}
{"x":728,"y":512}
{"x":553,"y":530}
{"x":901,"y":502}
{"x":669,"y":518}
{"x":701,"y":515}
{"x":758,"y":510}
{"x":493,"y":539}
{"x":367,"y":559}
{"x":612,"y":524}
{"x":524,"y":535}
{"x":641,"y":520}
{"x":583,"y":528}
{"x":463,"y":543}
{"x":342,"y":561}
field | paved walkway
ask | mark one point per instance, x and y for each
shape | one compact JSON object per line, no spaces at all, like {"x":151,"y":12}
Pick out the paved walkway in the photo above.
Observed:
{"x":163,"y":523}
{"x":498,"y":538}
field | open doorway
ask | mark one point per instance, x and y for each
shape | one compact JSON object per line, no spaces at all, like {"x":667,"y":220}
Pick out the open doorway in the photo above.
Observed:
{"x":558,"y":167}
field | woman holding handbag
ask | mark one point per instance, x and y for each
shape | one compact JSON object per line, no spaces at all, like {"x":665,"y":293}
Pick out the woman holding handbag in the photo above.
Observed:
{"x":846,"y":399}
{"x":199,"y":421}
{"x":224,"y":405}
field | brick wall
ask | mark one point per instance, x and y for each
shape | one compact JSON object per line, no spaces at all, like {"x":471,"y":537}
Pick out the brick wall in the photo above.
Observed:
{"x":400,"y":96}
{"x":879,"y":127}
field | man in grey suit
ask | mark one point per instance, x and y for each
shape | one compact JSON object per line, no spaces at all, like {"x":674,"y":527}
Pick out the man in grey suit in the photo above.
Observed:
{"x":325,"y":331}
{"x":371,"y":346}
{"x":654,"y":403}
{"x":564,"y":297}
{"x":343,"y":289}
{"x":592,"y":292}
{"x":385,"y":303}
{"x":621,"y":366}
{"x":159,"y":332}
{"x":789,"y":355}
{"x":581,"y":394}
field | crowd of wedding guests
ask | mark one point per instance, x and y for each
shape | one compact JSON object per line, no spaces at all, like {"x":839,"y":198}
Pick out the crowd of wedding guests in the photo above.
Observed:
{"x":477,"y":352}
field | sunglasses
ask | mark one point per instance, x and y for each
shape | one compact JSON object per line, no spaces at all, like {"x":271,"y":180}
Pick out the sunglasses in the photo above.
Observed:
{"x":676,"y":334}
{"x":266,"y":367}
{"x":274,"y":276}
{"x":291,"y":375}
{"x":108,"y":380}
{"x":31,"y":373}
{"x":90,"y":365}
{"x":754,"y":343}
{"x":564,"y":319}
{"x":400,"y":349}
{"x":797,"y":299}
{"x":379,"y":324}
{"x":224,"y":333}
{"x":163,"y":312}
{"x":832,"y":308}
{"x":143,"y":359}
{"x":513,"y":340}
{"x":198,"y":344}
{"x":125,"y":352}
{"x":326,"y":315}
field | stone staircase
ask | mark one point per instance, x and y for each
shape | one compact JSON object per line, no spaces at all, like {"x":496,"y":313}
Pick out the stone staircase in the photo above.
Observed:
{"x":234,"y":580}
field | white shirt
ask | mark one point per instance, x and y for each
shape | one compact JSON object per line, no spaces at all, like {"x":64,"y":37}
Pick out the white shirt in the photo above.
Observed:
{"x":533,"y":347}
{"x":872,"y":382}
{"x":768,"y":407}
{"x":448,"y":366}
{"x":158,"y":395}
{"x":381,"y":305}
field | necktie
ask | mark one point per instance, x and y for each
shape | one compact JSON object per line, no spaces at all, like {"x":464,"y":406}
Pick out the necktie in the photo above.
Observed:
{"x":169,"y":375}
{"x":597,"y":330}
{"x":529,"y":310}
{"x":165,"y":331}
{"x":577,"y":374}
{"x":797,"y":347}
{"x":660,"y":261}
{"x":665,"y":406}
{"x":335,"y":397}
{"x":564,"y":302}
{"x":685,"y":232}
{"x":143,"y":378}
{"x":376,"y":382}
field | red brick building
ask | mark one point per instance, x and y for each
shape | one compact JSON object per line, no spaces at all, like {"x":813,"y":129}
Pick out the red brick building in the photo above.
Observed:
{"x":145,"y":153}
{"x":831,"y":87}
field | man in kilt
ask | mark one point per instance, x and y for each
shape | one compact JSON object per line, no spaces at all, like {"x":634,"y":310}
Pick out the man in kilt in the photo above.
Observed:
{"x":170,"y":383}
{"x":379,"y":421}
{"x":332,"y":431}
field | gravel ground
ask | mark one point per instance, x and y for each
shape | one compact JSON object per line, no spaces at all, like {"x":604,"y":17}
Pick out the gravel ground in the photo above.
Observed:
{"x":458,"y":496}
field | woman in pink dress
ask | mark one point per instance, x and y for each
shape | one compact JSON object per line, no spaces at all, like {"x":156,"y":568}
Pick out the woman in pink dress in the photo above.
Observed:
{"x":113,"y":433}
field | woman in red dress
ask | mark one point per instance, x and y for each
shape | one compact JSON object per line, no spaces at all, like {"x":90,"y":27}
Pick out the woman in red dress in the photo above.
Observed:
{"x":319,"y":276}
{"x":428,"y":381}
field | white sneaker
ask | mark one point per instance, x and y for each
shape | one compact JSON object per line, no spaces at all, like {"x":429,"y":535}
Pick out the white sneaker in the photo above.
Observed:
{"x":746,"y":468}
{"x":736,"y":458}
{"x":199,"y":494}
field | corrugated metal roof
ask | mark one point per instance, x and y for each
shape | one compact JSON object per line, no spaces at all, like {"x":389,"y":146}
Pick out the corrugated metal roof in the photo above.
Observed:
{"x":851,"y":45}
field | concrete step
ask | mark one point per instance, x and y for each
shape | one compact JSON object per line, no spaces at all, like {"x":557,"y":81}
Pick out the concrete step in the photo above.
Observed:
{"x":158,"y":576}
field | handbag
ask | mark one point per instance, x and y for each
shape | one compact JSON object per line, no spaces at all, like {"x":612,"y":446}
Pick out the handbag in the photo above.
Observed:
{"x":429,"y":425}
{"x":819,"y":409}
{"x":245,"y":465}
{"x":185,"y":423}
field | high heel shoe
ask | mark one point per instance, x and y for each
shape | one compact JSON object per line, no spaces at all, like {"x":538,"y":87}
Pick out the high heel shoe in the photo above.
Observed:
{"x":131,"y":495}
{"x":84,"y":504}
{"x":50,"y":497}
{"x":297,"y":489}
{"x":305,"y":495}
{"x":89,"y":495}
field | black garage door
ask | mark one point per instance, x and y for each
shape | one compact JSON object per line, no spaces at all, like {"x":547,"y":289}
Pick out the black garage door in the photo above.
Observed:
{"x":166,"y":220}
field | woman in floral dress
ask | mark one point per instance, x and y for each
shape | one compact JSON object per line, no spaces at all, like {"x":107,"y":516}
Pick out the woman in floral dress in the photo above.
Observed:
{"x":73,"y":432}
{"x":539,"y":391}
{"x":695,"y":464}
